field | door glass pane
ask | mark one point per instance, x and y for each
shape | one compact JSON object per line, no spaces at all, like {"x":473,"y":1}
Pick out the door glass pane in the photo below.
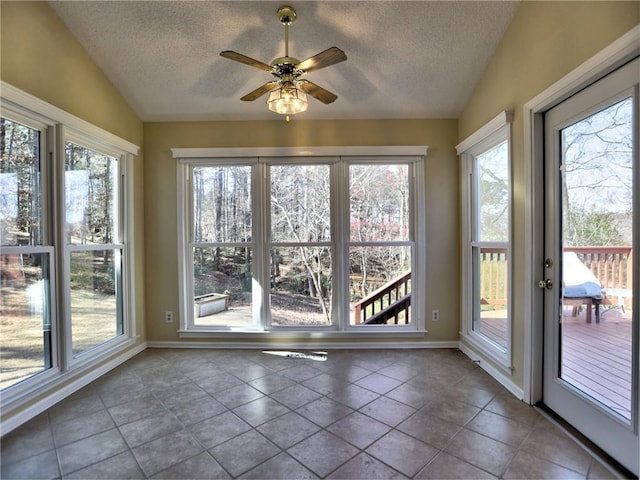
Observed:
{"x":380,"y":285}
{"x":379,"y":203}
{"x":300,"y":203}
{"x":597,"y":226}
{"x":96,"y":306}
{"x":222,"y":204}
{"x":20,"y":192}
{"x":90,"y":196}
{"x":223,"y":283}
{"x":25,"y":329}
{"x":301,"y":285}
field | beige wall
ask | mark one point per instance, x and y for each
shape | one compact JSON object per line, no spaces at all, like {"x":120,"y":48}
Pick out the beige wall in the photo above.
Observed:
{"x":41,"y":57}
{"x":545,"y":41}
{"x":441,"y":183}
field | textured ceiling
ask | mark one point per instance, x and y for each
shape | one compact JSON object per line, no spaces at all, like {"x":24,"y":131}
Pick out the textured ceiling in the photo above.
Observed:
{"x":417,"y":59}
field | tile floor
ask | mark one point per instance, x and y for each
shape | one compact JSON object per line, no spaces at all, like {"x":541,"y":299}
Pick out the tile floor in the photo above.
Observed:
{"x":208,"y":414}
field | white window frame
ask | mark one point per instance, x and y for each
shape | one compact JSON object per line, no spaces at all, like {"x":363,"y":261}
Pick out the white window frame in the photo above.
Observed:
{"x":338,"y":157}
{"x":494,"y":133}
{"x":58,"y":125}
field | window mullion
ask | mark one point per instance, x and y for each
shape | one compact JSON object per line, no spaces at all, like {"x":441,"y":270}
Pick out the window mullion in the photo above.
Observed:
{"x":63,"y":251}
{"x":261,"y":206}
{"x":340,"y":242}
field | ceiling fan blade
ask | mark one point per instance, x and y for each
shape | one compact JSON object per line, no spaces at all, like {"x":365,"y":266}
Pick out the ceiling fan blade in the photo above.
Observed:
{"x":258,"y":92}
{"x":238,"y":57}
{"x":330,"y":56}
{"x":317,"y":92}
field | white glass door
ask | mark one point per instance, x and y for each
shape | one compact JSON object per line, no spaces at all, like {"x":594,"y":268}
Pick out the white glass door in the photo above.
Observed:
{"x":591,"y":239}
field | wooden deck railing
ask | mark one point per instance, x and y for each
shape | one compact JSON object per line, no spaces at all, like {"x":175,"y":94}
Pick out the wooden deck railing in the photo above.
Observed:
{"x":392,"y":300}
{"x":612,"y":266}
{"x":493,"y":278}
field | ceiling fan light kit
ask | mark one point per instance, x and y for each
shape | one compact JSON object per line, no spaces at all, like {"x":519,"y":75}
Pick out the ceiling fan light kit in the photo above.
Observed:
{"x":288,"y":94}
{"x":287,"y":100}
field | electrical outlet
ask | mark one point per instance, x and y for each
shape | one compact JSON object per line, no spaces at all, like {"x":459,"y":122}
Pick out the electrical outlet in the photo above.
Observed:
{"x":168,"y":316}
{"x":435,"y":315}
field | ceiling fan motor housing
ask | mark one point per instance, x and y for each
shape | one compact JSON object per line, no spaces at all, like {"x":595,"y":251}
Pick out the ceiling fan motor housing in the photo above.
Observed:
{"x":286,"y":66}
{"x":286,"y":15}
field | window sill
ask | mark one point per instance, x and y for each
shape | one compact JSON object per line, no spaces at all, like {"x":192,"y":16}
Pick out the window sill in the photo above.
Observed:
{"x":491,"y":352}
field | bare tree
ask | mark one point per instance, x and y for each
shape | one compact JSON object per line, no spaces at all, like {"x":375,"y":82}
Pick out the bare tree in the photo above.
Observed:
{"x":596,"y":175}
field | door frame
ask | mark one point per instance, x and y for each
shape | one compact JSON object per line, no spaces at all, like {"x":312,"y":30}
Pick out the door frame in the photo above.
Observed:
{"x":604,"y":62}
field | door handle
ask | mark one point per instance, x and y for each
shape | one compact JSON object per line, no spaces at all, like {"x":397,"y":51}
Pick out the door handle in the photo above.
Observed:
{"x":548,"y":284}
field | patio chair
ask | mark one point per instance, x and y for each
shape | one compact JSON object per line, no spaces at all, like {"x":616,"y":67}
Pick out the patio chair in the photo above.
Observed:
{"x":580,"y":286}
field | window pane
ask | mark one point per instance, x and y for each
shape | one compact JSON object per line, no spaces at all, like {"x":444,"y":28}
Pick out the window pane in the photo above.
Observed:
{"x":300,"y":203}
{"x":25,"y":330}
{"x":493,"y":194}
{"x":490,"y":296}
{"x":379,"y":202}
{"x":380,"y":285}
{"x":301,"y":286}
{"x":20,"y":192}
{"x":90,"y":196}
{"x":96,"y":298}
{"x":223,"y":281}
{"x":222,"y":204}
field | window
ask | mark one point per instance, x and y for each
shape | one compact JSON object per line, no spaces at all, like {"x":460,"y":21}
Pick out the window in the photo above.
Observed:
{"x":65,"y":253}
{"x":287,"y":242}
{"x":27,"y":257}
{"x":300,"y":247}
{"x":222,"y":247}
{"x":486,"y":256}
{"x":93,"y":246}
{"x":380,"y":247}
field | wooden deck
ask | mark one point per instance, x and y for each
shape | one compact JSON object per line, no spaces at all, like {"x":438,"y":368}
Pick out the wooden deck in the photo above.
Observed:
{"x":597,"y":359}
{"x":596,"y":356}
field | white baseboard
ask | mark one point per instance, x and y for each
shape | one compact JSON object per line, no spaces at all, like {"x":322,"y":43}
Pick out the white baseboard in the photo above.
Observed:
{"x":500,"y":377}
{"x":304,"y":345}
{"x":23,"y":415}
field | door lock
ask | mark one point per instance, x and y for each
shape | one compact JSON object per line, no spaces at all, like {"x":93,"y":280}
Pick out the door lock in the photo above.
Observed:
{"x":548,"y":284}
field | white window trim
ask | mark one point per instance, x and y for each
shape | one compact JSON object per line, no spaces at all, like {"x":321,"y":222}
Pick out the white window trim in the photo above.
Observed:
{"x":187,"y":157}
{"x":66,"y":372}
{"x":39,"y":108}
{"x":494,"y":132}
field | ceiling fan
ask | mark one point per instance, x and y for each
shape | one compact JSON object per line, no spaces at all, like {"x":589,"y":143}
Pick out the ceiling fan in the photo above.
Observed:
{"x":288,"y":93}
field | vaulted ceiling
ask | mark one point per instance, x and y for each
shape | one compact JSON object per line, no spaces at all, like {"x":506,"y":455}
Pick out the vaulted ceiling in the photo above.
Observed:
{"x":415,"y":59}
